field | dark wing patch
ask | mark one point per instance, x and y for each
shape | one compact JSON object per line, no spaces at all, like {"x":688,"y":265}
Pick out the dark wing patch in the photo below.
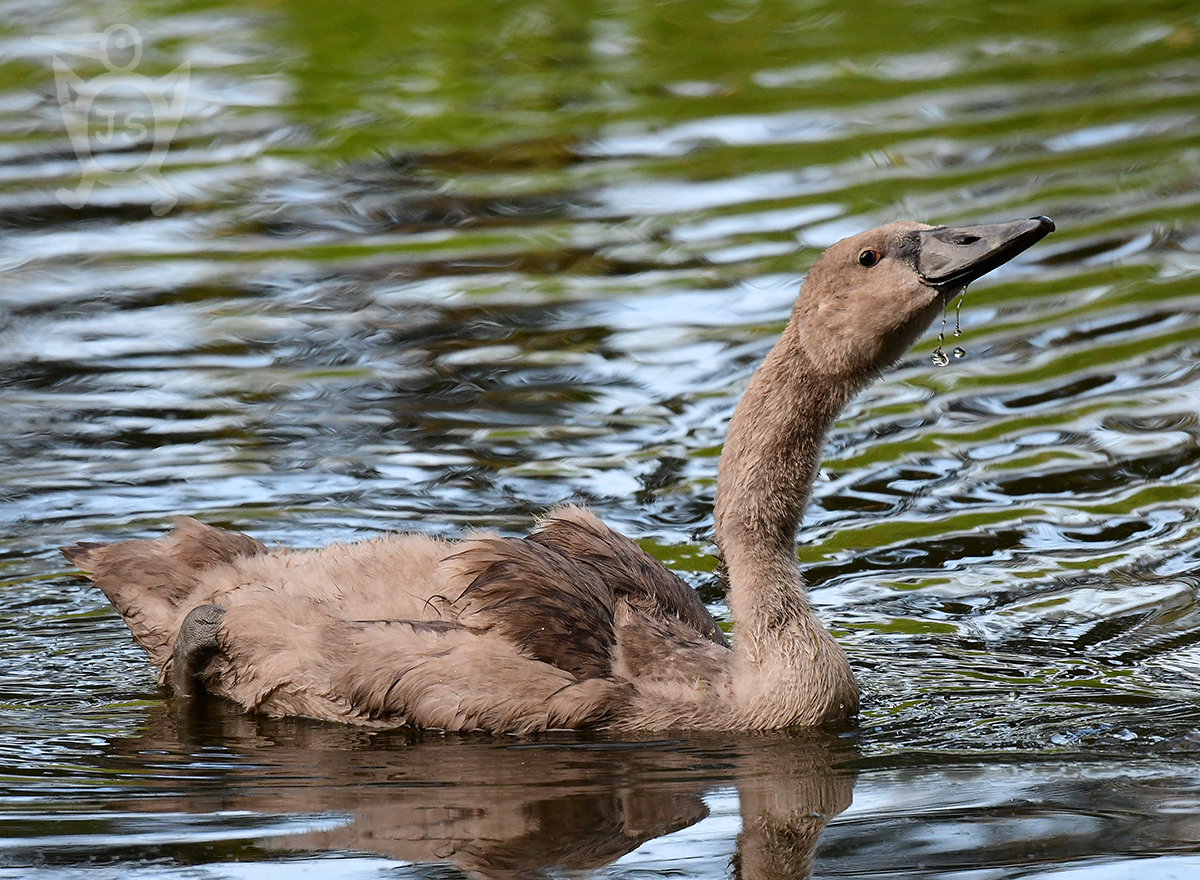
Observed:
{"x":629,"y":571}
{"x":433,"y":627}
{"x":555,"y":611}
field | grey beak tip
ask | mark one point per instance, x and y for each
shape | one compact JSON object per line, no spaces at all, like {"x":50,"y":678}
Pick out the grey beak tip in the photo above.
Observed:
{"x":953,"y":257}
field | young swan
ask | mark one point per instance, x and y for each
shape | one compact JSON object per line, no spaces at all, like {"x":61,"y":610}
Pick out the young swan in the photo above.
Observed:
{"x":573,"y":626}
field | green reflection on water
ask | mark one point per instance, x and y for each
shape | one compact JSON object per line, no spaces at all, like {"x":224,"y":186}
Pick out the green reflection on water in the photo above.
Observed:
{"x":553,"y":172}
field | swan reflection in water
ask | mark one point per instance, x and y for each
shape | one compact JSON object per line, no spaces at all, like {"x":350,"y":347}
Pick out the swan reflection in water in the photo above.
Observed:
{"x":493,"y":806}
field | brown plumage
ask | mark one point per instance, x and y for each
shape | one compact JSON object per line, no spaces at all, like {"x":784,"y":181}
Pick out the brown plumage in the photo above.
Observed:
{"x":574,"y":626}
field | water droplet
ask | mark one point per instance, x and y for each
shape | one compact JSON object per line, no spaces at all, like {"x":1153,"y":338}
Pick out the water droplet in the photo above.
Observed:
{"x":958,"y":313}
{"x":939,"y":357}
{"x":959,"y":351}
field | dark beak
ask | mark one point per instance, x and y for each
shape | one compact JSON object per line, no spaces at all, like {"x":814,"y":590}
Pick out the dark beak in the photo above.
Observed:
{"x":953,"y":256}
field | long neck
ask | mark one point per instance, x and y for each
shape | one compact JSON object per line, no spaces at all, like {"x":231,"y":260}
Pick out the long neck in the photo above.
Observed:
{"x":767,"y":468}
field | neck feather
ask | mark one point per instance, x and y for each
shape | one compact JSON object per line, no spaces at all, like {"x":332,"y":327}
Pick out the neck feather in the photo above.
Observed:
{"x":767,"y":468}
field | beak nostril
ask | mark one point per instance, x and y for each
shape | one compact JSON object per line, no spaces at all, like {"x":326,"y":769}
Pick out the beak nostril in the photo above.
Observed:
{"x":966,"y":239}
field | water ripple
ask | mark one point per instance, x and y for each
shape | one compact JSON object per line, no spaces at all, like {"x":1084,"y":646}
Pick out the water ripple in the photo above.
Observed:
{"x":448,"y":271}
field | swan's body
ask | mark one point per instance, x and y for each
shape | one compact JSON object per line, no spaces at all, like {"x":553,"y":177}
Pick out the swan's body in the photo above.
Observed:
{"x":574,"y":626}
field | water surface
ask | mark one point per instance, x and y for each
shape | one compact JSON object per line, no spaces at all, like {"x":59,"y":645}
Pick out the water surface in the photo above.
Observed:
{"x":442,"y":266}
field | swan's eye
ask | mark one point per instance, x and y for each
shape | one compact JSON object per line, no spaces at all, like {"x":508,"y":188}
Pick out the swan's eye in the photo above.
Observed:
{"x":869,"y":257}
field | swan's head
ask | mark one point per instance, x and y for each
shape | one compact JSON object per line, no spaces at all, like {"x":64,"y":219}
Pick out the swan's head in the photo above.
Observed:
{"x":870,"y":296}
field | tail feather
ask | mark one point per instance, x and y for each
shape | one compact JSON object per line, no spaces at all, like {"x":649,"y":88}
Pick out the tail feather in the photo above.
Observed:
{"x":151,"y":582}
{"x":80,"y":555}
